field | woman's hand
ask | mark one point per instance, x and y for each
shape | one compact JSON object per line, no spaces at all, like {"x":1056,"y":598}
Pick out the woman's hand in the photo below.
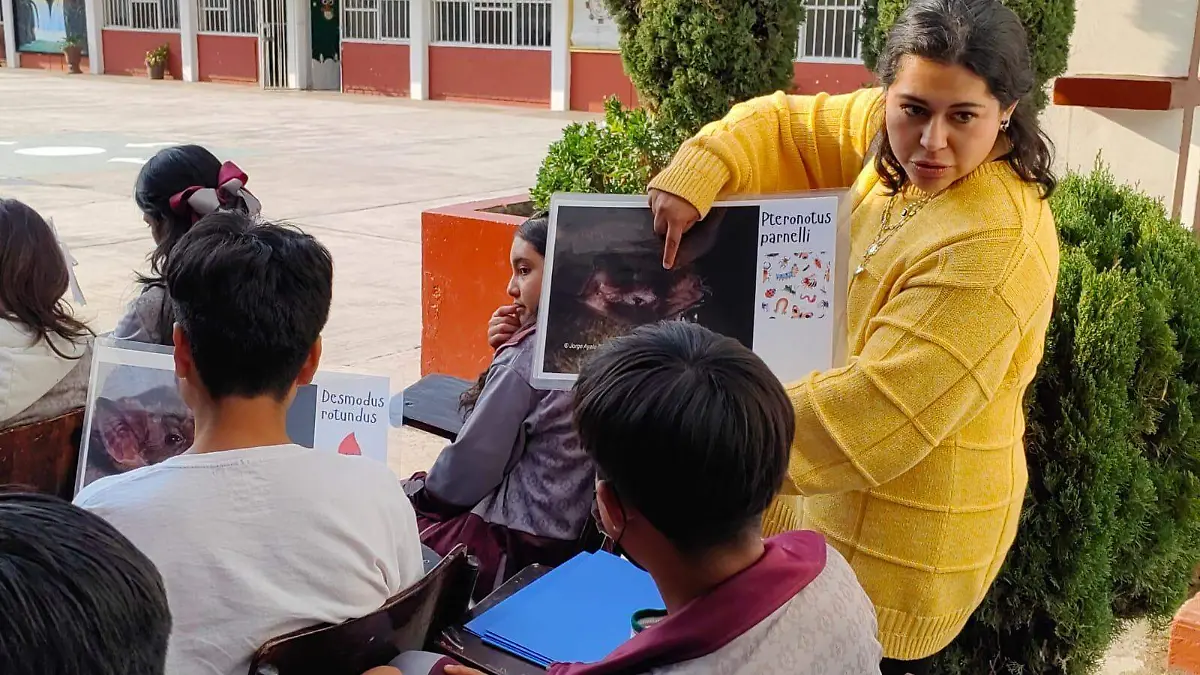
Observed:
{"x":504,"y":323}
{"x":673,"y":217}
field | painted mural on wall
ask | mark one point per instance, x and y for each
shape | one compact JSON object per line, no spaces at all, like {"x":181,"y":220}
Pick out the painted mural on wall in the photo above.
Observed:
{"x":42,"y":25}
{"x":326,"y":45}
{"x":592,"y":27}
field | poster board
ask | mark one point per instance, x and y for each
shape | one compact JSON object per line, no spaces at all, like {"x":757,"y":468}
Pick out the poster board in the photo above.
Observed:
{"x":767,"y":271}
{"x":135,"y":415}
{"x":592,"y":27}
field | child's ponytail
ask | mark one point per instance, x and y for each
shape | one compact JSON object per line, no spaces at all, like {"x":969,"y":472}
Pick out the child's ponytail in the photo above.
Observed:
{"x":466,"y":402}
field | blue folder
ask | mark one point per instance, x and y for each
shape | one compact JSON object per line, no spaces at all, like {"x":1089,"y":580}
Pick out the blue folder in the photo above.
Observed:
{"x":578,"y":612}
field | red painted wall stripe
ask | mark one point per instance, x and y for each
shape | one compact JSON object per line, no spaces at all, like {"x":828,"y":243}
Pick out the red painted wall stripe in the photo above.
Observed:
{"x":375,"y":68}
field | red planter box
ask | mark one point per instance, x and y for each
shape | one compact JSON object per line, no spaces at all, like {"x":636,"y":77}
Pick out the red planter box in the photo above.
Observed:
{"x":464,"y":274}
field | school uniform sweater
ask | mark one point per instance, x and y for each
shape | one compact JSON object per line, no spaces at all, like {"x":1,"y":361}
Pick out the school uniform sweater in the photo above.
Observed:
{"x":516,"y":485}
{"x":910,"y":457}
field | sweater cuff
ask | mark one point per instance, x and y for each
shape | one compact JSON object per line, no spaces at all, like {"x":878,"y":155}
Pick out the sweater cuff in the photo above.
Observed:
{"x":696,"y":174}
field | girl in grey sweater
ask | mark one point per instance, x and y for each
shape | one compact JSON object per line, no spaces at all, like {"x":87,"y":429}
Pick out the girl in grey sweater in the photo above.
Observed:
{"x":515,"y":487}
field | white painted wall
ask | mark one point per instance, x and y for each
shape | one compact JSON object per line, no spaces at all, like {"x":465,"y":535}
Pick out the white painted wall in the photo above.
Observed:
{"x":1130,"y":37}
{"x":1139,"y":147}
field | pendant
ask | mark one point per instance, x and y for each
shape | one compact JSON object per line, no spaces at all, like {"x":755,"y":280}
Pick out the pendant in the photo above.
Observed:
{"x":872,"y":249}
{"x":860,"y":270}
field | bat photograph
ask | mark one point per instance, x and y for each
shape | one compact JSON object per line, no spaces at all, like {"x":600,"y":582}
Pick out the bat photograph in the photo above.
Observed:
{"x":607,"y":278}
{"x":138,"y":418}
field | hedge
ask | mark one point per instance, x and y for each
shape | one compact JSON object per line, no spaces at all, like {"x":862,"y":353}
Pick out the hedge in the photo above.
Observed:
{"x":1111,"y":525}
{"x":691,"y":60}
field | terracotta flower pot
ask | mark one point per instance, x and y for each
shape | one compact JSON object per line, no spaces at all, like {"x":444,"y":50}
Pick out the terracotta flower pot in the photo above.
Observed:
{"x":74,"y":56}
{"x":156,"y":70}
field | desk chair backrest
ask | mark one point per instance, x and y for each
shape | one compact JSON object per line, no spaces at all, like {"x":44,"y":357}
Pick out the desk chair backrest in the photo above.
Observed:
{"x":409,"y":621}
{"x":43,"y":455}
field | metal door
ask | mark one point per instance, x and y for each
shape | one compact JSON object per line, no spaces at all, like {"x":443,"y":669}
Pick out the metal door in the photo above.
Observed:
{"x":273,"y":44}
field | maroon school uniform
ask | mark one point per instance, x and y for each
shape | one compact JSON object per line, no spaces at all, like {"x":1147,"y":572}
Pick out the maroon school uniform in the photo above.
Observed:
{"x":799,"y":610}
{"x":516,"y":486}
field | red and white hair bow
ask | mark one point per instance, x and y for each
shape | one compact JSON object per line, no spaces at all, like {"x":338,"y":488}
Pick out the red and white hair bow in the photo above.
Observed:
{"x":201,"y":201}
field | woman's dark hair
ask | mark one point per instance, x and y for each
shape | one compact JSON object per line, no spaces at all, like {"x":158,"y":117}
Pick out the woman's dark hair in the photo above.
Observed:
{"x":988,"y":39}
{"x":34,"y":276}
{"x":169,"y":172}
{"x":534,"y":231}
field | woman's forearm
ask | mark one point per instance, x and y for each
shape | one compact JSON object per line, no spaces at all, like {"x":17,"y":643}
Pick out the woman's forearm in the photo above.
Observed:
{"x":775,"y":143}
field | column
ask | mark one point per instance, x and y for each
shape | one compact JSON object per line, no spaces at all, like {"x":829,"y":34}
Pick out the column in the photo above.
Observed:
{"x":560,"y":55}
{"x":299,"y":45}
{"x":10,"y":32}
{"x":1189,"y":200}
{"x":418,"y":49}
{"x":189,"y":20}
{"x":94,"y":11}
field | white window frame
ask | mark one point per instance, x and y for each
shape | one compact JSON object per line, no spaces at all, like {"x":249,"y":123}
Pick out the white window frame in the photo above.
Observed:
{"x":167,"y":9}
{"x":474,"y":8}
{"x":354,"y":17}
{"x":207,"y":8}
{"x":843,"y":10}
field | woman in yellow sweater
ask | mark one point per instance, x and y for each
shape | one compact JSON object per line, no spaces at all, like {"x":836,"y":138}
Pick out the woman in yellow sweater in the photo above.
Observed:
{"x":911,"y":456}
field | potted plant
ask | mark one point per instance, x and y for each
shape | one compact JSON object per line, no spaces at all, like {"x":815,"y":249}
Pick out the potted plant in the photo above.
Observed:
{"x":156,"y":61}
{"x":72,"y":49}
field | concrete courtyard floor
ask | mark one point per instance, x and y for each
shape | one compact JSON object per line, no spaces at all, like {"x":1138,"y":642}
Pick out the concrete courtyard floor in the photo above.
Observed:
{"x":354,"y":171}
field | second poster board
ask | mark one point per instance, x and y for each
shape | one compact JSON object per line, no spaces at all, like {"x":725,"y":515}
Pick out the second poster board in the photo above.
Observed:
{"x":767,"y":271}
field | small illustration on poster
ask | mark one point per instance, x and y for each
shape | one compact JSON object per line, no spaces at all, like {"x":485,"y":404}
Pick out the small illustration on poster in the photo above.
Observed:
{"x":800,"y":288}
{"x":746,"y":267}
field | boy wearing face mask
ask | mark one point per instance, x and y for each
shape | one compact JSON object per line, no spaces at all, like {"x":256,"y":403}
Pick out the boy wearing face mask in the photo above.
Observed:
{"x":690,"y":434}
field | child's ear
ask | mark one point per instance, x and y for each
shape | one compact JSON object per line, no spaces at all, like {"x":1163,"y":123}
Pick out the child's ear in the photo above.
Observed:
{"x":309,"y":369}
{"x":185,"y":367}
{"x":612,"y":515}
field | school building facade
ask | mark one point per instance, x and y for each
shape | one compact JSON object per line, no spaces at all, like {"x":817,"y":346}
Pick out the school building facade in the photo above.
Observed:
{"x":559,"y":54}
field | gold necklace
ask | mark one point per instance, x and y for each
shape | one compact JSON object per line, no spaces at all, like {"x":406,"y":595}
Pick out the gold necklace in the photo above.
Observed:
{"x":887,"y":229}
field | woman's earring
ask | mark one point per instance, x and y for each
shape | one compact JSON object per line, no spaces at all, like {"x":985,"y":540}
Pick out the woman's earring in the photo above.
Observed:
{"x":1004,"y":125}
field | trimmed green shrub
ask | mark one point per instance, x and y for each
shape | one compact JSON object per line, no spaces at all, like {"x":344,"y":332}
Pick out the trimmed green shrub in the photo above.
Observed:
{"x":691,"y":60}
{"x":1048,"y":23}
{"x":617,"y":157}
{"x":1111,"y":526}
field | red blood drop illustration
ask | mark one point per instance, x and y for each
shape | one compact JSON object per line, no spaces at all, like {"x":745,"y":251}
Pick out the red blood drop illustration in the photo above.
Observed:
{"x":349,"y":446}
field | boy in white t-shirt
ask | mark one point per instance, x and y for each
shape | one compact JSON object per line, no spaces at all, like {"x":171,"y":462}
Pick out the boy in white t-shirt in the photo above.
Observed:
{"x":255,"y":536}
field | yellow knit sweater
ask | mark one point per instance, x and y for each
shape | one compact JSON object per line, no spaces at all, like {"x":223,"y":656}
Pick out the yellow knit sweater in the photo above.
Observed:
{"x":910,"y":458}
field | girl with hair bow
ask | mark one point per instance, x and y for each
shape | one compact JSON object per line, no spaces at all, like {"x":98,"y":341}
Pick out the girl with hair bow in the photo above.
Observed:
{"x":175,"y":189}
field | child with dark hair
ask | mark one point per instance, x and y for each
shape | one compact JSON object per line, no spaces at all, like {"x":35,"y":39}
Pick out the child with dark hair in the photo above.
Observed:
{"x":515,"y":486}
{"x":175,"y":188}
{"x":78,"y":597}
{"x":690,"y":433}
{"x":45,"y":352}
{"x":256,"y":536}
